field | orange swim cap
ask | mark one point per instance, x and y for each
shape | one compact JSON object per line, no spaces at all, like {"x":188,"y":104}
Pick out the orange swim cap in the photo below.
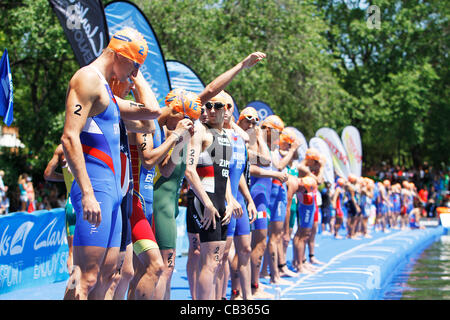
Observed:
{"x":386,"y":183}
{"x":183,"y":101}
{"x":287,"y":136}
{"x":341,"y":182}
{"x":309,"y":183}
{"x":312,"y":154}
{"x":273,"y":121}
{"x":129,"y":43}
{"x":352,"y":178}
{"x":250,"y":113}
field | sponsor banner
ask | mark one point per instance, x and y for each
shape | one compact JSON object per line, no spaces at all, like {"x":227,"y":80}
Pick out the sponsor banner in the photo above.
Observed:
{"x":33,"y":249}
{"x":6,"y":90}
{"x":84,"y":24}
{"x":120,"y":14}
{"x":183,"y":77}
{"x":264,"y":110}
{"x":303,"y":146}
{"x":338,"y":153}
{"x":351,"y":140}
{"x":321,"y":145}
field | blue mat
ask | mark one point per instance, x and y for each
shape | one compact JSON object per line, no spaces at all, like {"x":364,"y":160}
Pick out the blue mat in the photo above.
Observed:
{"x":353,"y":269}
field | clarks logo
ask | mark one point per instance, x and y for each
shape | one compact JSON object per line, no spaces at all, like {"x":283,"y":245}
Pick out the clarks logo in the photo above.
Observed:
{"x":15,"y":244}
{"x":49,"y":237}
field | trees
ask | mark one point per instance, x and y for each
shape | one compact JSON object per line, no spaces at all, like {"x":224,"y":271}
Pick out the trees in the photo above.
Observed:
{"x":42,"y":63}
{"x":324,"y":67}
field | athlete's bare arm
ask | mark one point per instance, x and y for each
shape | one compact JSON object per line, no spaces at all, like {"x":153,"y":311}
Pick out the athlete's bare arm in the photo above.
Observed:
{"x":85,"y":98}
{"x":154,"y":156}
{"x":251,"y":208}
{"x":50,"y":173}
{"x":286,"y":159}
{"x":218,"y":84}
{"x":145,"y":107}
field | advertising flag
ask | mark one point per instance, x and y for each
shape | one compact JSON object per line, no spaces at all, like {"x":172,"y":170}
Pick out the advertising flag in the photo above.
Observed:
{"x":84,"y":24}
{"x":6,"y":90}
{"x":303,"y":146}
{"x":338,"y":153}
{"x":264,"y":110}
{"x":351,"y":140}
{"x":321,"y":145}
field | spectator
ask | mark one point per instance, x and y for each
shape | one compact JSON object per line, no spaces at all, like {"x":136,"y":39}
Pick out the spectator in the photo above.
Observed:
{"x":31,"y":206}
{"x":3,"y":188}
{"x":4,"y":205}
{"x":22,"y":182}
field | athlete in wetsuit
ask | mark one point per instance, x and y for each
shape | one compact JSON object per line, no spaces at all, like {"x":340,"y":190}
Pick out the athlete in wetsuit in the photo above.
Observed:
{"x":210,"y":209}
{"x":278,"y":200}
{"x":238,"y":228}
{"x":337,"y":203}
{"x":262,"y":173}
{"x":91,"y":143}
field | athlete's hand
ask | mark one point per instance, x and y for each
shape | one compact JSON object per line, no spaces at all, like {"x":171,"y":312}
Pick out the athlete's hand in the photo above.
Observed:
{"x":282,"y":176}
{"x":227,"y":217}
{"x":209,"y":217}
{"x":237,"y":208}
{"x":183,"y":126}
{"x":297,"y":143}
{"x":253,"y":59}
{"x":91,"y":210}
{"x":252,"y":212}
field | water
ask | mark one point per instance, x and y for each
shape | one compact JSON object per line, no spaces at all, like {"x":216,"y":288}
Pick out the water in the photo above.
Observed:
{"x":425,"y":276}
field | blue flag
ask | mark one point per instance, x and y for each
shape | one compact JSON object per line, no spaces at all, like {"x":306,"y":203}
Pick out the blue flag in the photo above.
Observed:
{"x":6,"y":90}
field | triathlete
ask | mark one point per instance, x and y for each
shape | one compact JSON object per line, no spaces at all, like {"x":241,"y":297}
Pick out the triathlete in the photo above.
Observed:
{"x":91,"y":143}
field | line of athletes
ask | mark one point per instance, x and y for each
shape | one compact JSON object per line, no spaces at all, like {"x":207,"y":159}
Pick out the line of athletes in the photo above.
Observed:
{"x":124,"y":161}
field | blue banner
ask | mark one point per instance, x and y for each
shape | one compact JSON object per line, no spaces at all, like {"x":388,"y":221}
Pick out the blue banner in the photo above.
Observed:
{"x":120,"y":14}
{"x":6,"y":90}
{"x":264,"y":110}
{"x":33,"y":249}
{"x":183,"y":77}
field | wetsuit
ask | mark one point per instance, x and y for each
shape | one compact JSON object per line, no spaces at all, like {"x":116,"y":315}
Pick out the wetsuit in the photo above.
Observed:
{"x":260,"y":190}
{"x":213,"y":170}
{"x":146,"y":177}
{"x":126,"y":182}
{"x":306,"y":209}
{"x":294,"y":172}
{"x":166,"y":192}
{"x":100,"y":140}
{"x":278,"y":199}
{"x":240,"y":226}
{"x":141,"y":233}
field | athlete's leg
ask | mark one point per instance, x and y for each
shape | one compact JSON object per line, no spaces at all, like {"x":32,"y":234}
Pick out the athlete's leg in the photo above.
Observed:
{"x":210,"y":256}
{"x":276,"y":231}
{"x":86,"y":259}
{"x":106,"y":275}
{"x":125,"y":274}
{"x":192,"y":264}
{"x":243,"y":251}
{"x":147,"y":273}
{"x":303,"y":235}
{"x":223,"y":271}
{"x":163,"y":287}
{"x":259,"y":244}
